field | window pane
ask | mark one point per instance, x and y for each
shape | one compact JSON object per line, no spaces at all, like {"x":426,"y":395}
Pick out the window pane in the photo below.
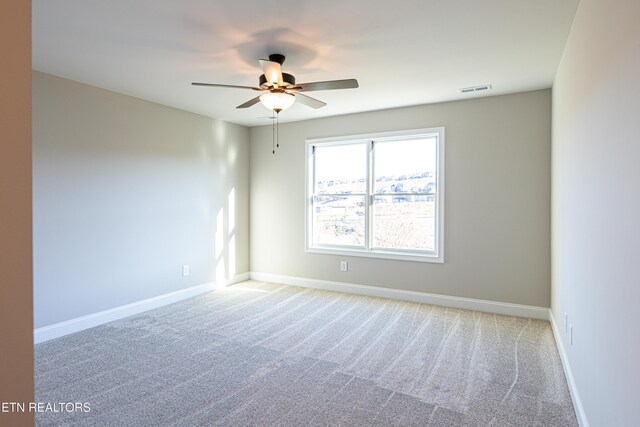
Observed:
{"x":341,"y":169}
{"x":404,"y":222}
{"x":338,"y":220}
{"x":407,"y":166}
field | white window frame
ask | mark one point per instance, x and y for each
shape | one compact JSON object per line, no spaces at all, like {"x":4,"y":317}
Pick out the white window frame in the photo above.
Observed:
{"x":437,"y":256}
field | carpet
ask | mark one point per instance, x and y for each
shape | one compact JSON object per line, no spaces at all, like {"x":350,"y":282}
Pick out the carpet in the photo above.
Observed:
{"x":272,"y":355}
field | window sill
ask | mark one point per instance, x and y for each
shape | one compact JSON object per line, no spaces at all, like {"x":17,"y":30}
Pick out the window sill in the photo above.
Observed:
{"x":433,"y":258}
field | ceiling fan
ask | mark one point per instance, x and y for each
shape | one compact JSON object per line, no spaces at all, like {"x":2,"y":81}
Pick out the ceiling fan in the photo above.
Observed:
{"x":280,"y":91}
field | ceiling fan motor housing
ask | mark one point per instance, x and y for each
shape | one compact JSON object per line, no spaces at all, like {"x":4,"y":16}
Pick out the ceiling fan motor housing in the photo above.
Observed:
{"x":287,"y":78}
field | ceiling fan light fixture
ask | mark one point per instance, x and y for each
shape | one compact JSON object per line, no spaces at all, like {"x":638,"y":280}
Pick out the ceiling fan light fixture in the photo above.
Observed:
{"x":277,"y":101}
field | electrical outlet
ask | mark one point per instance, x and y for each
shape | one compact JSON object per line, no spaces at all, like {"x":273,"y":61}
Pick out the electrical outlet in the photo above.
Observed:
{"x":570,"y":334}
{"x":185,"y":270}
{"x":344,"y":266}
{"x":566,"y":322}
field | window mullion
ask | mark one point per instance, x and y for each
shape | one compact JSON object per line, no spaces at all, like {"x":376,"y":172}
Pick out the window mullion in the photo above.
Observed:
{"x":311,"y":215}
{"x":313,"y":177}
{"x":368,"y":220}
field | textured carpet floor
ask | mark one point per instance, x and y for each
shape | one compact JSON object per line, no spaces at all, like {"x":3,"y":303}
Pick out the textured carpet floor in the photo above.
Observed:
{"x":265,"y":354}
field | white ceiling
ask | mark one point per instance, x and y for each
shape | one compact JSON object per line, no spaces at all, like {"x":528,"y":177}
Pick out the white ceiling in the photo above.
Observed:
{"x":403,"y":52}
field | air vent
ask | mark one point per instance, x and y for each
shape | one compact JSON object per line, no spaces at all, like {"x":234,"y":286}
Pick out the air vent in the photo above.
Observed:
{"x":475,"y":88}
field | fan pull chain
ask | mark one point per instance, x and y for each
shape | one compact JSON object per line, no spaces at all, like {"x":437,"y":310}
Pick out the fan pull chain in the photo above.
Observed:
{"x":275,"y":130}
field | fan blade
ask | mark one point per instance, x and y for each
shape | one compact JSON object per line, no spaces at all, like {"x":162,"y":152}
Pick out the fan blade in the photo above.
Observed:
{"x":328,"y":85}
{"x":309,"y":101}
{"x":230,"y":86}
{"x":272,"y":71}
{"x":249,"y":103}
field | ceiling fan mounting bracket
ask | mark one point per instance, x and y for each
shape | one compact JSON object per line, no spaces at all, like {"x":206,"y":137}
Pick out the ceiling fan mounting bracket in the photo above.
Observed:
{"x":277,"y":57}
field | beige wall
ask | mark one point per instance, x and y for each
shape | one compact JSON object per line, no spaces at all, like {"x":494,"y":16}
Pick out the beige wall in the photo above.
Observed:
{"x":16,"y":323}
{"x":125,"y":193}
{"x":596,"y":208}
{"x":497,"y":200}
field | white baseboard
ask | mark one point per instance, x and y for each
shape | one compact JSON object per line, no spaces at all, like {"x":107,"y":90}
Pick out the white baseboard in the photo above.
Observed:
{"x":573,"y":389}
{"x":78,"y":324}
{"x":420,"y":297}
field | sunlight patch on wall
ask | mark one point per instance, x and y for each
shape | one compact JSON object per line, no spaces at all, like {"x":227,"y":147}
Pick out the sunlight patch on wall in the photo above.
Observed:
{"x":231,"y":208}
{"x":219,"y":239}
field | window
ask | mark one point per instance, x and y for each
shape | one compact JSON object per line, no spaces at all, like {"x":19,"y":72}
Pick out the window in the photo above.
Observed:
{"x":377,"y":195}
